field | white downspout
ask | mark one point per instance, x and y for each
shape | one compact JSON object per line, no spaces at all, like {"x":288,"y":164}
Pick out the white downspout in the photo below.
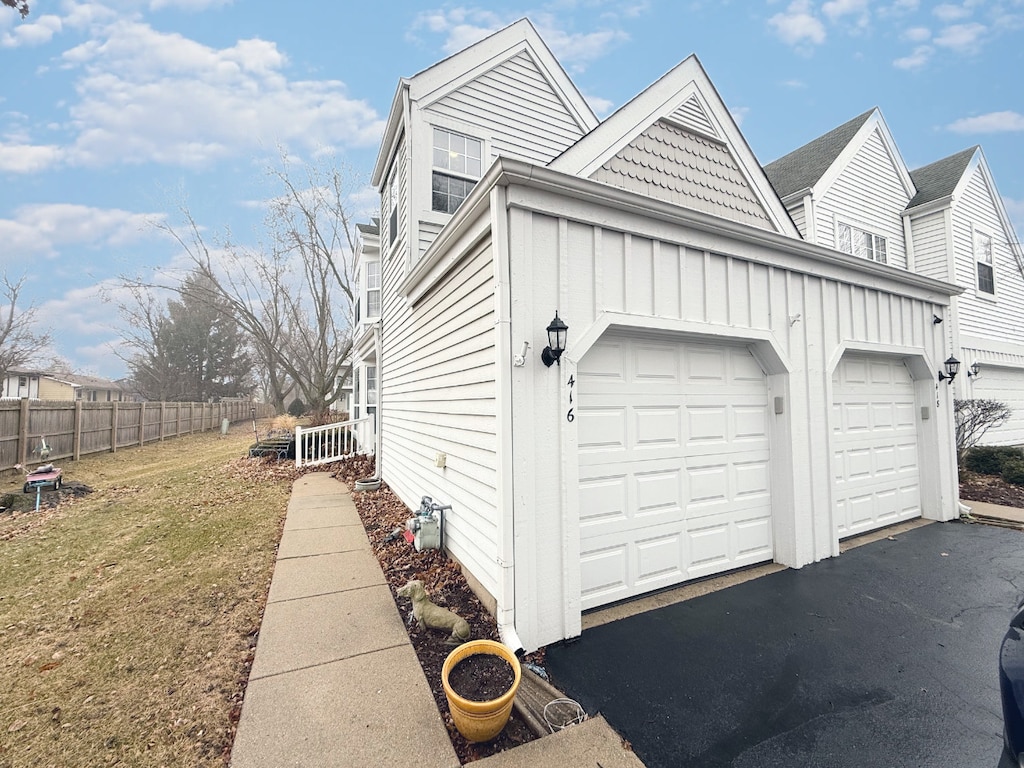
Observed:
{"x":503,"y":358}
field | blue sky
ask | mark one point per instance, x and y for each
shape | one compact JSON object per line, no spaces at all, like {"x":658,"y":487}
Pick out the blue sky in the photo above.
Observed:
{"x":113,"y":113}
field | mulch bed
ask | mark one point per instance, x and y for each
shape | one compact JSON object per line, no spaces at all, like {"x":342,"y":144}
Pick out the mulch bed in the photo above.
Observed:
{"x":382,"y":513}
{"x":990,"y":488}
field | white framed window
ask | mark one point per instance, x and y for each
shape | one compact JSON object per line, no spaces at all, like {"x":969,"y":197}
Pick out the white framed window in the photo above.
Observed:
{"x":395,"y":202}
{"x":864,"y":245}
{"x":458,"y":163}
{"x":372,"y":269}
{"x":985,"y":264}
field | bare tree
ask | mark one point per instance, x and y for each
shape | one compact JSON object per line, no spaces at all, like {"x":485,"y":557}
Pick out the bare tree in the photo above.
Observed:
{"x":973,"y":419}
{"x":21,"y":6}
{"x":293,"y":297}
{"x":20,"y":341}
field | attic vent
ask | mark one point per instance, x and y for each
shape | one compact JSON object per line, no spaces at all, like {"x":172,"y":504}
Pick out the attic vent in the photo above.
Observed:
{"x":690,"y":114}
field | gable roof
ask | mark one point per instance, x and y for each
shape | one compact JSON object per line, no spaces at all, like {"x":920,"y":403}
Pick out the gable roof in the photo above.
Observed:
{"x":676,"y":140}
{"x":804,"y":167}
{"x":940,"y":179}
{"x":453,"y":72}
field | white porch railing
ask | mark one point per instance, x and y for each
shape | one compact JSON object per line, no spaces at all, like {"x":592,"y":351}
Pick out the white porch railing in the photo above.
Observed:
{"x":331,"y":442}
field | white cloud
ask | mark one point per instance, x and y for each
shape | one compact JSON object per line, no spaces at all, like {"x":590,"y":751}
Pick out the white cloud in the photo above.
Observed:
{"x":42,"y":230}
{"x":602,"y":107}
{"x":794,"y":84}
{"x":28,"y":33}
{"x":462,"y":27}
{"x":146,"y":96}
{"x":797,"y":25}
{"x":188,"y":5}
{"x":28,"y":158}
{"x":835,"y":10}
{"x":948,"y":12}
{"x":917,"y":34}
{"x":739,"y":114}
{"x":919,"y":58}
{"x":993,"y":122}
{"x":962,"y":38}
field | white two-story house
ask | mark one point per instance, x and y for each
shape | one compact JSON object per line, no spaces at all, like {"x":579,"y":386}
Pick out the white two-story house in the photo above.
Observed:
{"x":850,"y":189}
{"x":729,"y":392}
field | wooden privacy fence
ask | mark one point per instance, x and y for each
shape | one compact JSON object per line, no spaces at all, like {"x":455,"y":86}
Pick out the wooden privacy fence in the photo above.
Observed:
{"x":72,"y":429}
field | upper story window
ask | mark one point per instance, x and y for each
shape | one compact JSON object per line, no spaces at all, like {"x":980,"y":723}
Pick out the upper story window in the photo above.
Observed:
{"x":983,"y":258}
{"x":393,"y":216}
{"x":862,"y":244}
{"x":372,"y":269}
{"x":458,"y":163}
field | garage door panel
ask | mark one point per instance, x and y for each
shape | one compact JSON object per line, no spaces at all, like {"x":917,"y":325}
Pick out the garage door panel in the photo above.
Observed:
{"x":682,"y":481}
{"x":603,"y":430}
{"x":875,"y":461}
{"x":658,"y":426}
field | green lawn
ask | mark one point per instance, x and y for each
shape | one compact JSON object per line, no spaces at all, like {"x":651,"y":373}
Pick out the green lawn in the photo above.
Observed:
{"x":128,"y":616}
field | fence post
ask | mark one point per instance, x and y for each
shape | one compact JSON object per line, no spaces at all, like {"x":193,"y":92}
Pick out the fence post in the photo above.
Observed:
{"x":76,"y":450}
{"x":113,"y":427}
{"x":23,"y":431}
{"x":142,"y":423}
{"x":163,"y":416}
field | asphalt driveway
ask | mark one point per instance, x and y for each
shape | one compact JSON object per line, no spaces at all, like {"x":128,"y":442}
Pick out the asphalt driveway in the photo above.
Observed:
{"x":884,"y":656}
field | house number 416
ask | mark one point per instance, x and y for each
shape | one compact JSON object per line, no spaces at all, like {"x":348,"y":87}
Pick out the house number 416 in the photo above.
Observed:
{"x":570,"y":416}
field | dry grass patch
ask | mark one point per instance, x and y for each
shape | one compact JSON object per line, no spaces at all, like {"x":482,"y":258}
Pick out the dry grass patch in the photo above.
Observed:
{"x":128,"y":616}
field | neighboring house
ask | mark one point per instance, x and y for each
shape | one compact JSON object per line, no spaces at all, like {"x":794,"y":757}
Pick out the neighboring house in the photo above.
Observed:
{"x":366,"y":334}
{"x":729,"y":394}
{"x":850,"y":190}
{"x":40,"y":385}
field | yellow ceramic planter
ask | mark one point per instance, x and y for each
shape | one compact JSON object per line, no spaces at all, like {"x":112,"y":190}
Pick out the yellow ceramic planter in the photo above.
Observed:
{"x":480,"y":720}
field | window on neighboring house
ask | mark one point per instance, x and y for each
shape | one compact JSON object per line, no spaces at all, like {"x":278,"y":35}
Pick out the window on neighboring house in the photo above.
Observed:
{"x":983,"y":257}
{"x":393,"y":218}
{"x":862,"y":244}
{"x":458,"y":162}
{"x":371,"y":390}
{"x":356,"y":390}
{"x":372,"y":269}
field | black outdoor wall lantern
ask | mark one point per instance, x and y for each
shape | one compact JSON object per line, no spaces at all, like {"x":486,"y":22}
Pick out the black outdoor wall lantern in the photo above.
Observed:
{"x":952,"y":366}
{"x":974,"y":370}
{"x":557,"y":331}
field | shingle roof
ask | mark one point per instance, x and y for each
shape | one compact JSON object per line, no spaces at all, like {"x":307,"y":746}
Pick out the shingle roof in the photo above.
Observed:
{"x":939,"y":179}
{"x":803,"y":167}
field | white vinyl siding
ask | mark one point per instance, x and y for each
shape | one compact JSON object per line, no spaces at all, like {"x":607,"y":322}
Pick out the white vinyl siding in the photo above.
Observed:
{"x":799,"y":215}
{"x":931,"y":248}
{"x":999,"y":316}
{"x":438,"y":388}
{"x":516,"y":108}
{"x":869,"y":195}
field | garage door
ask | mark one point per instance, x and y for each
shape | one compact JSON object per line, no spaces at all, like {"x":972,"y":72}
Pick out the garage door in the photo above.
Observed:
{"x":673,"y":453}
{"x":1007,"y":386}
{"x":877,"y":481}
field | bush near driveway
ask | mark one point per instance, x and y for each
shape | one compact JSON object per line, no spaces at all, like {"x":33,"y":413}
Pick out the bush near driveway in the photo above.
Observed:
{"x":128,"y":617}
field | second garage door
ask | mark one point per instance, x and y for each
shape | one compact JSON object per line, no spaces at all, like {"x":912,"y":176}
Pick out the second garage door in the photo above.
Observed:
{"x":1007,"y":386}
{"x":674,"y":470}
{"x":875,"y":455}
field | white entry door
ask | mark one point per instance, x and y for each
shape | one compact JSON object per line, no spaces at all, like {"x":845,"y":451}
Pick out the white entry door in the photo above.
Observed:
{"x":876,"y":479}
{"x":674,"y":472}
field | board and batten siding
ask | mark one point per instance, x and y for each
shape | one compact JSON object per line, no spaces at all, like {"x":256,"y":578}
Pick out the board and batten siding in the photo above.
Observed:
{"x":868,"y":195}
{"x":603,"y":268}
{"x":438,"y":395}
{"x":1001,"y":319}
{"x":931,"y":245}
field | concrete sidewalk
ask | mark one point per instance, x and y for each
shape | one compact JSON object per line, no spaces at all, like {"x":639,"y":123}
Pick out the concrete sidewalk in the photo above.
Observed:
{"x":335,"y":680}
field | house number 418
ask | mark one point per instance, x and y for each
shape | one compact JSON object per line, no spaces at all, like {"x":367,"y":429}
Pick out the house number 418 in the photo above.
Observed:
{"x":570,"y":416}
